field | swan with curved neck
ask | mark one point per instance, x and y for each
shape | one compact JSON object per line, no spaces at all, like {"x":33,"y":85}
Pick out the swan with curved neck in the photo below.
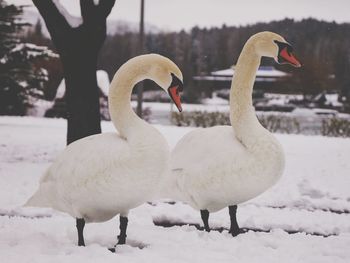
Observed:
{"x":123,"y":117}
{"x":100,"y":176}
{"x":222,"y":166}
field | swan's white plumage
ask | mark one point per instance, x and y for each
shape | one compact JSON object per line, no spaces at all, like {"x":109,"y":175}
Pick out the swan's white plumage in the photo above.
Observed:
{"x":221,"y":172}
{"x":93,"y":178}
{"x":212,"y":168}
{"x":103,"y":175}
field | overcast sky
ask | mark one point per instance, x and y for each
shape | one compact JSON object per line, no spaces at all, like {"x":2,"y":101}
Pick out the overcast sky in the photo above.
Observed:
{"x":184,"y":14}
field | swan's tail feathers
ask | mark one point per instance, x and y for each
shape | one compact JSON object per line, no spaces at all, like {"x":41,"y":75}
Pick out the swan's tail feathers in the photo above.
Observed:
{"x":38,"y":200}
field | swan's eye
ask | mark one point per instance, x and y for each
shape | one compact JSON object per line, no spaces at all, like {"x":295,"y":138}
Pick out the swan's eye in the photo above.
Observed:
{"x":284,"y":45}
{"x":176,"y":82}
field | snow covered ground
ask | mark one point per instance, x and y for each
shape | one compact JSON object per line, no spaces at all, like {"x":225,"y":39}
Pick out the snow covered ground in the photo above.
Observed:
{"x":307,"y":213}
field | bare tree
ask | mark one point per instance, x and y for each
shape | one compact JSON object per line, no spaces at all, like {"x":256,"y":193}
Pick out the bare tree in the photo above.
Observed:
{"x":78,"y":48}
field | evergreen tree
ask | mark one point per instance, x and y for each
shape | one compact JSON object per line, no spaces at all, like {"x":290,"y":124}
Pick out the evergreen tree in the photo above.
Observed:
{"x":21,"y":82}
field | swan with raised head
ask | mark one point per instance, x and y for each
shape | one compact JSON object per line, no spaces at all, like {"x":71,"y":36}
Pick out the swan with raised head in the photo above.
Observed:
{"x":100,"y":176}
{"x":212,"y":168}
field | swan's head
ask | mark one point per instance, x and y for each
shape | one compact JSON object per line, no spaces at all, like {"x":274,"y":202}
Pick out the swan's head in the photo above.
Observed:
{"x":168,"y":76}
{"x":270,"y":44}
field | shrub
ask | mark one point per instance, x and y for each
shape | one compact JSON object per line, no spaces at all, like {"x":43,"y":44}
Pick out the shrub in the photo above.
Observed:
{"x":336,"y":127}
{"x":274,"y":123}
{"x":280,"y":123}
{"x":200,"y":119}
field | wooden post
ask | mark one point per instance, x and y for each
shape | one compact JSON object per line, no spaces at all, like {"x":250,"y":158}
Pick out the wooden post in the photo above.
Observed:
{"x":141,"y":51}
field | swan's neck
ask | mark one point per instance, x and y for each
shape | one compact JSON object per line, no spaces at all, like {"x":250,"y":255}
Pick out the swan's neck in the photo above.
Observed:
{"x":242,"y":113}
{"x":123,"y":117}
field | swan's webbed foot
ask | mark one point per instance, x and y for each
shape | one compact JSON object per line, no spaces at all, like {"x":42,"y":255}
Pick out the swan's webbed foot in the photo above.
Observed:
{"x":205,"y":218}
{"x":80,"y":227}
{"x":123,"y":224}
{"x":234,"y":229}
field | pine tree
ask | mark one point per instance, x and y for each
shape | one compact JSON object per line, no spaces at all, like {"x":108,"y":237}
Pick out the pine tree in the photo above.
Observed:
{"x":21,"y":82}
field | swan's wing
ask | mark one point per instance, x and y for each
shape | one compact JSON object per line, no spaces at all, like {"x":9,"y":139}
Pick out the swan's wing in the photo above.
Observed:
{"x":206,"y":147}
{"x":202,"y":161}
{"x":83,"y":168}
{"x":88,"y":157}
{"x":206,"y":155}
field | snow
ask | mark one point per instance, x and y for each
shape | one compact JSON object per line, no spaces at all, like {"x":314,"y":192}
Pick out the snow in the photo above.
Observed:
{"x":311,"y":198}
{"x":3,"y":60}
{"x":333,"y":100}
{"x":103,"y":81}
{"x":156,"y":106}
{"x":303,"y":112}
{"x":215,"y":100}
{"x":23,"y":84}
{"x":40,"y":106}
{"x":29,"y":50}
{"x":263,"y":74}
{"x":276,"y":101}
{"x":285,"y":97}
{"x":61,"y":90}
{"x":33,"y":50}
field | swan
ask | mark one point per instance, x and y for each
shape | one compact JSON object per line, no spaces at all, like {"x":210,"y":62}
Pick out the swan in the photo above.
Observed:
{"x":212,"y":168}
{"x":100,"y":176}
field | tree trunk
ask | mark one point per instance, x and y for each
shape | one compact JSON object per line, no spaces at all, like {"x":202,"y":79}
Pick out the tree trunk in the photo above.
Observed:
{"x":78,"y":48}
{"x":82,"y":93}
{"x":82,"y":96}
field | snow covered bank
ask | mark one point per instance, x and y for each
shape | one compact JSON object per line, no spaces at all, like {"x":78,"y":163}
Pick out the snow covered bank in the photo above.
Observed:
{"x":312,"y":197}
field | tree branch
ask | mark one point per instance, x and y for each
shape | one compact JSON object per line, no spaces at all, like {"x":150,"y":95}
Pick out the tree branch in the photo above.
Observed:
{"x":55,"y":22}
{"x":88,"y":10}
{"x":95,"y":13}
{"x":105,"y":7}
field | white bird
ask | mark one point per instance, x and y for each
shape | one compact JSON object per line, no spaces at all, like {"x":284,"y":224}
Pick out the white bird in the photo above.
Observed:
{"x":212,"y":168}
{"x":100,"y":176}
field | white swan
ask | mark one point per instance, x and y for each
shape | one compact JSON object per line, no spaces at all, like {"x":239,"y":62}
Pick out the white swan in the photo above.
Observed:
{"x":227,"y":165}
{"x":100,"y":176}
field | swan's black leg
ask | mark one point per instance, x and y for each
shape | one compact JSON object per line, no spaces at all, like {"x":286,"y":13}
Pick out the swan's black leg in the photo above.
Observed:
{"x":80,"y":228}
{"x":122,"y":226}
{"x":205,"y":218}
{"x":234,"y":229}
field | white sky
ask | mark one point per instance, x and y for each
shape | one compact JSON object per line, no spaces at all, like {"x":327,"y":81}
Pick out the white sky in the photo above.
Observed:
{"x":184,"y":14}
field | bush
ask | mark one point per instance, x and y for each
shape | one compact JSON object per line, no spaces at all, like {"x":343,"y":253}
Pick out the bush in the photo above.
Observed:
{"x":280,"y":123}
{"x":336,"y":127}
{"x":21,"y":79}
{"x":200,"y":119}
{"x":274,"y":123}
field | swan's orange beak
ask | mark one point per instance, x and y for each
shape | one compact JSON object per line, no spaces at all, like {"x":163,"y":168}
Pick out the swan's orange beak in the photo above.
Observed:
{"x":285,"y":54}
{"x":289,"y":58}
{"x":174,"y":90}
{"x":175,"y":96}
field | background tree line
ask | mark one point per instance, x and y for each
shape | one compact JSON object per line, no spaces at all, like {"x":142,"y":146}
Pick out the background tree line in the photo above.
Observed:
{"x":323,"y":48}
